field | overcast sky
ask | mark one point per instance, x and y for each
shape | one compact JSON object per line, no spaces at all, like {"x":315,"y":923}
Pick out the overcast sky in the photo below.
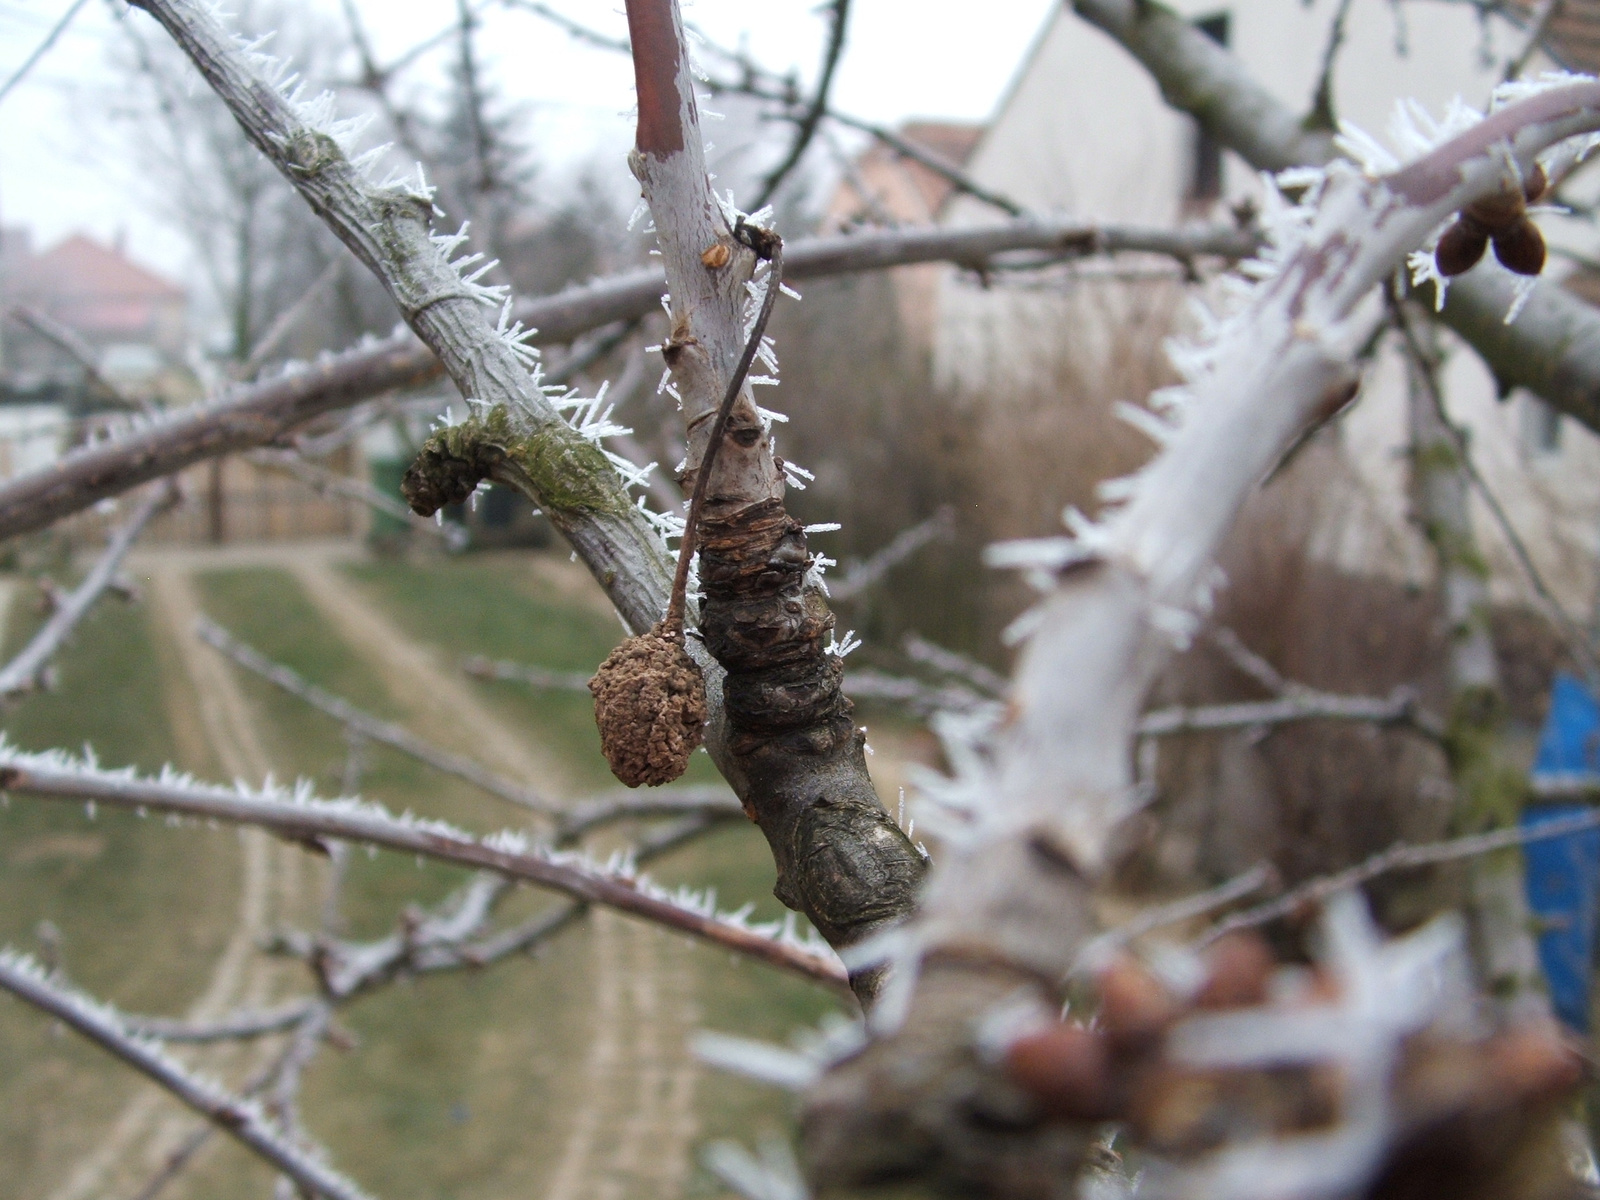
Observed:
{"x":61,"y":168}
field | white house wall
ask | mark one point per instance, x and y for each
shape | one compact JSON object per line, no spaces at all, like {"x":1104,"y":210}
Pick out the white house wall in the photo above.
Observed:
{"x":1084,"y":131}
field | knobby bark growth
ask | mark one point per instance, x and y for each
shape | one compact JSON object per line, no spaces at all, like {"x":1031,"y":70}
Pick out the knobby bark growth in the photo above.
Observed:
{"x":795,"y":750}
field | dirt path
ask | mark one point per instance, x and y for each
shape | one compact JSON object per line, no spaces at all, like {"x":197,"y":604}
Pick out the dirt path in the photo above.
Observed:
{"x":207,"y":708}
{"x":444,"y":706}
{"x":632,"y":1111}
{"x":634,"y":1118}
{"x":629,"y":1105}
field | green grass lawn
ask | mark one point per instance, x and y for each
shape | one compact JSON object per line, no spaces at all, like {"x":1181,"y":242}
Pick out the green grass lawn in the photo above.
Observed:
{"x":462,"y":1083}
{"x":460,"y":1086}
{"x":110,"y":886}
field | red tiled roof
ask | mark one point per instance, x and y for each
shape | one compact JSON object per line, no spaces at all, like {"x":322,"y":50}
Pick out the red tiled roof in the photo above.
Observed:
{"x":908,"y":190}
{"x":94,"y":288}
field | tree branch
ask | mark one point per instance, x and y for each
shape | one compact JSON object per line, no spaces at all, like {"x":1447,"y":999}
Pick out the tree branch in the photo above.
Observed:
{"x":248,"y":417}
{"x":27,"y":670}
{"x":1034,"y":810}
{"x":263,"y":413}
{"x":568,"y":313}
{"x":66,"y":338}
{"x":297,"y":816}
{"x":867,"y":573}
{"x":1302,"y":704}
{"x":792,"y":740}
{"x":368,"y":726}
{"x":1553,"y":347}
{"x":240,"y":1025}
{"x":806,"y":126}
{"x":1398,"y":857}
{"x":241,"y":1119}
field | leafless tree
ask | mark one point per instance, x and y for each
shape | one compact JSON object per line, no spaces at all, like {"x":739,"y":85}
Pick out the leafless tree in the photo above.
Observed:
{"x":1010,"y":1016}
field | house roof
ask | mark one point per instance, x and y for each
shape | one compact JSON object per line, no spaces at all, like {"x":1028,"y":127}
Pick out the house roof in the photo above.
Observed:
{"x":95,"y":289}
{"x":905,"y":189}
{"x":1572,"y":35}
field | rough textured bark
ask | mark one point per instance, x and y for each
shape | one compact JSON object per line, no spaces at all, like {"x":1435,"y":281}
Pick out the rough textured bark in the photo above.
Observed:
{"x":795,"y":750}
{"x":1553,"y":347}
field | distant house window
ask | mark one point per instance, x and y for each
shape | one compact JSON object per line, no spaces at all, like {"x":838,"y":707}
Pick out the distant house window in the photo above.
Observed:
{"x":1541,"y":427}
{"x":1205,"y":175}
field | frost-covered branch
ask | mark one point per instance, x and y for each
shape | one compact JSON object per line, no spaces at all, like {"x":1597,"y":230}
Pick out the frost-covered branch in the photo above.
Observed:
{"x":794,"y":747}
{"x":235,"y":1026}
{"x":861,"y":576}
{"x":263,"y":413}
{"x":245,"y":418}
{"x":1030,"y":818}
{"x":297,"y":815}
{"x":29,"y":668}
{"x":1552,"y":348}
{"x":373,"y":728}
{"x":241,"y":1119}
{"x":388,"y":225}
{"x":1399,"y":857}
{"x":1049,"y":239}
{"x":1301,"y":704}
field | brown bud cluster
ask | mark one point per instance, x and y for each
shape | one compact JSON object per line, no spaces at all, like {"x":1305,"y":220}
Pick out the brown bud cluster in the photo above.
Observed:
{"x":650,"y":706}
{"x":1474,"y":1117}
{"x":1500,"y":219}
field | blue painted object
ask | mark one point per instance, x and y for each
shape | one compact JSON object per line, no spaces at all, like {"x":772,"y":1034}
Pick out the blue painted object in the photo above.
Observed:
{"x":1563,"y":874}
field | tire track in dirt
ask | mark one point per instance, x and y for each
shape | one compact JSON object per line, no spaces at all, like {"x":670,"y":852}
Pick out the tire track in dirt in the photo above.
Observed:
{"x":443,"y":703}
{"x":206,"y":702}
{"x":633,"y":1118}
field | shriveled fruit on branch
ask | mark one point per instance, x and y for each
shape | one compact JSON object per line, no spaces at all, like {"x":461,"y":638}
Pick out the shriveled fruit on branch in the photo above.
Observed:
{"x":650,"y":705}
{"x":1501,"y":219}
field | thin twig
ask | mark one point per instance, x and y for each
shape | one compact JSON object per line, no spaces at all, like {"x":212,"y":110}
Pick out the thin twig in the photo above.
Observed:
{"x":920,"y":649}
{"x":241,"y":1025}
{"x":871,"y":570}
{"x":1322,"y":115}
{"x":43,"y":47}
{"x":1577,"y":642}
{"x":480,"y":667}
{"x":1399,"y":857}
{"x":1247,"y":660}
{"x":373,"y":728}
{"x":714,"y":803}
{"x":238,"y":1117}
{"x":312,"y":821}
{"x":26,"y":671}
{"x":767,"y":245}
{"x":806,"y":126}
{"x":326,"y":482}
{"x":67,"y":339}
{"x":283,"y":324}
{"x":1300,"y":704}
{"x":1536,"y":31}
{"x":1096,"y":951}
{"x":183,"y":1154}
